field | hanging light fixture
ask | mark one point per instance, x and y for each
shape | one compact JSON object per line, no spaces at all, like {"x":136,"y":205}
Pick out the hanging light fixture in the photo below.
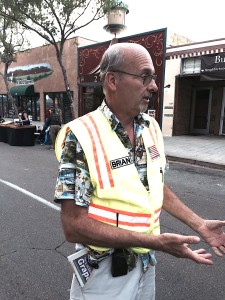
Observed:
{"x":116,"y":18}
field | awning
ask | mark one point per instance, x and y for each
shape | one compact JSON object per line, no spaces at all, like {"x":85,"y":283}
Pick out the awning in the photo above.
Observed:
{"x":22,"y":90}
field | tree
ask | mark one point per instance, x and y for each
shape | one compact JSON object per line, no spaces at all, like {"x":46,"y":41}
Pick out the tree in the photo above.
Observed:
{"x":11,"y":41}
{"x":55,"y":21}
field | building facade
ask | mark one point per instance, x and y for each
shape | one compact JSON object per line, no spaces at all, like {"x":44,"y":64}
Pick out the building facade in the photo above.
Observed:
{"x":36,"y":81}
{"x":194,"y":102}
{"x":191,"y":81}
{"x":90,"y":90}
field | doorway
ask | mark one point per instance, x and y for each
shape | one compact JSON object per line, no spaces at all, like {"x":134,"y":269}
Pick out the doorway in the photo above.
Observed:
{"x":222,"y":116}
{"x":201,"y":108}
{"x":91,"y":98}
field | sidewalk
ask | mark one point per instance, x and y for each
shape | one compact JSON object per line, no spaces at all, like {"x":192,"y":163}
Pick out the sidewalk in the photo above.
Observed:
{"x":204,"y":150}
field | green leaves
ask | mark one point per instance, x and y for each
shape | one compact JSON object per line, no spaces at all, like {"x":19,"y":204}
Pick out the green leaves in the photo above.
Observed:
{"x":53,"y":20}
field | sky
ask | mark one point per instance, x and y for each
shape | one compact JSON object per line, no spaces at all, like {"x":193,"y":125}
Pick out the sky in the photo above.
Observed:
{"x":198,"y":20}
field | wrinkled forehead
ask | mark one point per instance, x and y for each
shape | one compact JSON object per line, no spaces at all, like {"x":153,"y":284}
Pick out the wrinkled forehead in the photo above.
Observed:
{"x":138,"y":58}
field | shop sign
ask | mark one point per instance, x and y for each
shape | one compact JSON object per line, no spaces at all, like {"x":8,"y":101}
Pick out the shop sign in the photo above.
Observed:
{"x":213,"y":66}
{"x":25,"y":81}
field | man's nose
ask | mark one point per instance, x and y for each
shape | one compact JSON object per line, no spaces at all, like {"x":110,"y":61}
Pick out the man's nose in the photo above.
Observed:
{"x":152,"y":87}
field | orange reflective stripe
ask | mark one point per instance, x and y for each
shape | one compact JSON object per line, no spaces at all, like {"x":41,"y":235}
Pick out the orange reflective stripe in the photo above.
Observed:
{"x":157,"y":214}
{"x":104,"y":153}
{"x":106,"y":214}
{"x":119,"y":211}
{"x":100,"y":158}
{"x":153,"y":132}
{"x":153,"y":139}
{"x":134,"y":224}
{"x":94,"y":152}
{"x":102,"y":219}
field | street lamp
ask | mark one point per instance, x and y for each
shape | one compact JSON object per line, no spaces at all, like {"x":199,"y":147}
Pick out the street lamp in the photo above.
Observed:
{"x":116,"y":18}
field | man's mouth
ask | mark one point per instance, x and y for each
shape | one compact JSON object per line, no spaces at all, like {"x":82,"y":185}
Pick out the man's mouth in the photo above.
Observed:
{"x":147,"y":98}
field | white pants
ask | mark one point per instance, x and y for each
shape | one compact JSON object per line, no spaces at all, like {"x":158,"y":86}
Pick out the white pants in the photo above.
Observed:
{"x":136,"y":285}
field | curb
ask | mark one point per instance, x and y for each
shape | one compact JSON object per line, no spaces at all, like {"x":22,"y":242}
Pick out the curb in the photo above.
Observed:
{"x":196,"y":162}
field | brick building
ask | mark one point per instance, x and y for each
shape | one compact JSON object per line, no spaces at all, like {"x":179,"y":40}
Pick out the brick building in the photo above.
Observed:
{"x":36,"y":80}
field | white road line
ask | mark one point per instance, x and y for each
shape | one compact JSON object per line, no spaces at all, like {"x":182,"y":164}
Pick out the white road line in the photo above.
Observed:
{"x":42,"y":200}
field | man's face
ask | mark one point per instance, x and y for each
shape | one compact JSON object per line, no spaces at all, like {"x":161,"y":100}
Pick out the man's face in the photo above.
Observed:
{"x":133,"y":91}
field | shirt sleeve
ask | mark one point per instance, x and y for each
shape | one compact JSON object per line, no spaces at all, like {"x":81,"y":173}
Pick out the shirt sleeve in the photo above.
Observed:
{"x":73,"y":181}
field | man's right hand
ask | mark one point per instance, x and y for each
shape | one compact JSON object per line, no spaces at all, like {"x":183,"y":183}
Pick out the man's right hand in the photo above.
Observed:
{"x":178,"y":245}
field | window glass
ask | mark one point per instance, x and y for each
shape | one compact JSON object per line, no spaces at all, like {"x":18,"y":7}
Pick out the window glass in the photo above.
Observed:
{"x":191,"y":65}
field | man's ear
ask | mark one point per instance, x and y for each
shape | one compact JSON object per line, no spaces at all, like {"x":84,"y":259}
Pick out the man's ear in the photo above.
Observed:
{"x":111,"y":80}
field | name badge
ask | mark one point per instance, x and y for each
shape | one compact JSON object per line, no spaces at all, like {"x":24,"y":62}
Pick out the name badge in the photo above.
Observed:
{"x":121,"y":162}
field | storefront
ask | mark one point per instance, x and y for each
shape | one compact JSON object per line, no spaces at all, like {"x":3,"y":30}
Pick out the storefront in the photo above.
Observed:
{"x":195,"y":102}
{"x":36,"y":82}
{"x":90,"y":89}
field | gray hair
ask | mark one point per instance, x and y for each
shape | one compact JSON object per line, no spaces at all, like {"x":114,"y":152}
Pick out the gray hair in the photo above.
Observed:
{"x":111,"y":60}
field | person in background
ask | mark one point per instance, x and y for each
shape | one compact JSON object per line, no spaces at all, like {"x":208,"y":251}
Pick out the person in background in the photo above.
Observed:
{"x":23,"y":116}
{"x":1,"y":119}
{"x":53,"y":122}
{"x":111,"y":186}
{"x":48,"y":112}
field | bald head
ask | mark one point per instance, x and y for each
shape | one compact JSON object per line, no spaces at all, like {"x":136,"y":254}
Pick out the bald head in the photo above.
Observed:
{"x":120,"y":56}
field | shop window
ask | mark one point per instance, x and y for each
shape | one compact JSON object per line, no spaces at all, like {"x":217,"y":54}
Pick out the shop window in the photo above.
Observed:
{"x":191,"y":65}
{"x":31,"y":104}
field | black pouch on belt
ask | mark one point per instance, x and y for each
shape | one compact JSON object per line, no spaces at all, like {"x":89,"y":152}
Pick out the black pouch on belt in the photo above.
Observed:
{"x":119,"y":263}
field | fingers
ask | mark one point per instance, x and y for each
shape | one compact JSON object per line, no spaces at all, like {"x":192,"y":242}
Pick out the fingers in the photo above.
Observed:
{"x":179,"y":246}
{"x":199,"y":256}
{"x":202,"y":257}
{"x":222,"y":249}
{"x":203,"y":253}
{"x":200,"y":251}
{"x":191,"y":239}
{"x":219,"y":250}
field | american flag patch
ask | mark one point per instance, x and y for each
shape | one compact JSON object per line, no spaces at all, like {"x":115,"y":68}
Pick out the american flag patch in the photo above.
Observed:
{"x":154,"y":153}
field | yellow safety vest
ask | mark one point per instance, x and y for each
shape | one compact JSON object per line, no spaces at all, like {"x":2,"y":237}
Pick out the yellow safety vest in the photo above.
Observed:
{"x":119,"y":197}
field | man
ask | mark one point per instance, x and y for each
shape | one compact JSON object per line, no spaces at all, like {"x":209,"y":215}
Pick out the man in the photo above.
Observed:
{"x":111,"y":188}
{"x":54,"y":122}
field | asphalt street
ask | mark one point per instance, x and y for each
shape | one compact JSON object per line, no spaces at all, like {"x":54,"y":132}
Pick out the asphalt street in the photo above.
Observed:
{"x":33,"y":250}
{"x":203,"y":190}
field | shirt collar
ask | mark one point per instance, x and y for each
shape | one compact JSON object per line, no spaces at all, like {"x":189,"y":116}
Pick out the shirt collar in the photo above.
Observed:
{"x":141,"y":119}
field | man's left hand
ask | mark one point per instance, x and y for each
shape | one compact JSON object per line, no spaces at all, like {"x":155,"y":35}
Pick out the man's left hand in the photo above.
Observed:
{"x":212,"y":232}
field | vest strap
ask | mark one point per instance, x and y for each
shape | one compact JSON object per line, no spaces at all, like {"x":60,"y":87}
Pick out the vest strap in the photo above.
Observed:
{"x":104,"y":173}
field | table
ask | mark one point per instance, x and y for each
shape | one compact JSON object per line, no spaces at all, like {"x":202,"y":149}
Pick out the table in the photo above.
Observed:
{"x":3,"y":134}
{"x":17,"y":135}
